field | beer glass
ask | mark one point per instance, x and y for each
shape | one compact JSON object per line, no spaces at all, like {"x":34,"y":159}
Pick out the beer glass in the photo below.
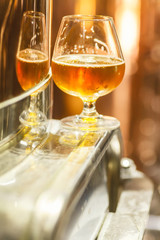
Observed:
{"x":32,"y":63}
{"x":87,"y":62}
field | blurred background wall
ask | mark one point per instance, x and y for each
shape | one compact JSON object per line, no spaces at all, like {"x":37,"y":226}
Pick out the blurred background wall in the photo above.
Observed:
{"x":136,"y":102}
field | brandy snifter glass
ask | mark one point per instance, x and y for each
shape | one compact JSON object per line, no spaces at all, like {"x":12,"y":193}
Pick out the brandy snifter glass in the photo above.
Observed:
{"x":32,"y":64}
{"x":87,"y":62}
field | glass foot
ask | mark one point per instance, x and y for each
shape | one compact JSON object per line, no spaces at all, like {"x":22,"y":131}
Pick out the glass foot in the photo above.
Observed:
{"x":29,"y":118}
{"x":36,"y":121}
{"x":99,"y":123}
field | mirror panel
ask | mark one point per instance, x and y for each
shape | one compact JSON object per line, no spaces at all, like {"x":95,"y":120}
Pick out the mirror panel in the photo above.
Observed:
{"x":13,"y":99}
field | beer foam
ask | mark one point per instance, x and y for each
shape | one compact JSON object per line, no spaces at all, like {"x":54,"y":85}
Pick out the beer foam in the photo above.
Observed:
{"x":32,"y":55}
{"x":88,"y":60}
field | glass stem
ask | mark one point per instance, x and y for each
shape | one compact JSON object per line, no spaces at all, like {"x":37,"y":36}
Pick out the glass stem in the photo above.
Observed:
{"x":89,"y":110}
{"x":33,"y":103}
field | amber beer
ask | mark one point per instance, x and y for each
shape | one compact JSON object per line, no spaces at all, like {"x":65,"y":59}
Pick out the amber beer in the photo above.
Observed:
{"x":87,"y":75}
{"x":32,"y":66}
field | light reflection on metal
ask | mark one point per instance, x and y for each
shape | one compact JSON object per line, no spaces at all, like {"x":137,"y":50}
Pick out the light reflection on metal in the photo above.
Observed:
{"x":9,"y":13}
{"x":8,"y":182}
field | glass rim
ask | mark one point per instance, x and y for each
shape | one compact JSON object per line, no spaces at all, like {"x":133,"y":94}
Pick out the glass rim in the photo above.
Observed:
{"x":34,"y":14}
{"x":85,"y":17}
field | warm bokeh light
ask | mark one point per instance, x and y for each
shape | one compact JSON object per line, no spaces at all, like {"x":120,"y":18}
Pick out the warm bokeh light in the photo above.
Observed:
{"x":88,"y":8}
{"x":128,"y":31}
{"x":127,"y":20}
{"x":127,"y":17}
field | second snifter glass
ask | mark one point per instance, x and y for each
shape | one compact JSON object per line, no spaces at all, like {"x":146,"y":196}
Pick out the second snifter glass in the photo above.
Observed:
{"x":88,"y":62}
{"x":32,"y":64}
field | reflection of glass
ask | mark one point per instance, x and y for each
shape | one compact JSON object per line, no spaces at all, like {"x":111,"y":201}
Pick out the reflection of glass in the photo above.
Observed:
{"x":32,"y":63}
{"x":87,"y":62}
